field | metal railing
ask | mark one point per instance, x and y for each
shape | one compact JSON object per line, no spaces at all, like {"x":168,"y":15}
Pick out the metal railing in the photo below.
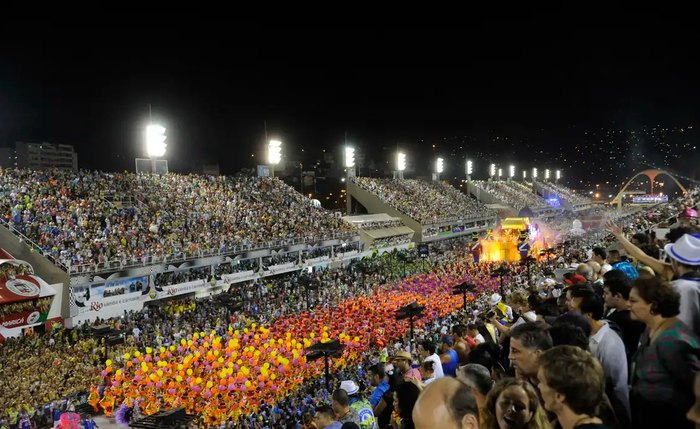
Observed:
{"x":179,"y":257}
{"x":32,"y":244}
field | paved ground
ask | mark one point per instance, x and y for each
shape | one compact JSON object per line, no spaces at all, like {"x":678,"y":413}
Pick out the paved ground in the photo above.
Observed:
{"x":107,"y":423}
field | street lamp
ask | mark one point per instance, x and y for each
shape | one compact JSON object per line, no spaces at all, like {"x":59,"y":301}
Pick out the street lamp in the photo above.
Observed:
{"x":546,"y":174}
{"x":500,"y":173}
{"x":492,"y":170}
{"x":558,"y":175}
{"x":524,"y":175}
{"x":274,"y":154}
{"x":511,"y":171}
{"x":534,"y":173}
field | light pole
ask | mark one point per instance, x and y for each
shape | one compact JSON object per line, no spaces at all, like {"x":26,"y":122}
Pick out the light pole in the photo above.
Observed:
{"x":349,"y":173}
{"x":492,"y":171}
{"x":468,"y":170}
{"x":439,"y":168}
{"x":400,"y":164}
{"x":155,"y":143}
{"x":274,"y":154}
{"x":410,"y":312}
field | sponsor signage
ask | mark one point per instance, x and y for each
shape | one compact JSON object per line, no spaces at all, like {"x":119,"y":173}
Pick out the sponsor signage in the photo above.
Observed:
{"x":242,"y":276}
{"x":22,"y":319}
{"x":649,"y":199}
{"x":181,"y":288}
{"x":21,"y":288}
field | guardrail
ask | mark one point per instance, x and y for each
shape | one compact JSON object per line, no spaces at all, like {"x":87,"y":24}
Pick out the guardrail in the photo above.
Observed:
{"x":198,"y":254}
{"x":31,"y":243}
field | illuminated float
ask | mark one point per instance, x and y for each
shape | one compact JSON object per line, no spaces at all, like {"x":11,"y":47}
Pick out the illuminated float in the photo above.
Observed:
{"x":515,"y":237}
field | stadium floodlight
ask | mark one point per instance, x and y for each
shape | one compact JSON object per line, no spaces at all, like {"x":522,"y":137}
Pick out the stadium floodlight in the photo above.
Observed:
{"x":546,"y":174}
{"x":349,"y":157}
{"x":534,"y":173}
{"x":470,"y":166}
{"x":492,"y":170}
{"x":558,"y":176}
{"x":524,"y":174}
{"x":511,"y":171}
{"x":401,"y":161}
{"x":500,"y":173}
{"x":155,"y":141}
{"x":274,"y":152}
{"x":439,"y":165}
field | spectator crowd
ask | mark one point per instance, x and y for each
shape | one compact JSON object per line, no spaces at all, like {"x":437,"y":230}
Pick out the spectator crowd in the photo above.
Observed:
{"x":425,"y":202}
{"x":72,"y":219}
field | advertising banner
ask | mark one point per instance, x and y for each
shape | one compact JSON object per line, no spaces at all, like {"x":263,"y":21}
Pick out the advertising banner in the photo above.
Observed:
{"x":22,"y":319}
{"x":21,"y":288}
{"x":242,"y":276}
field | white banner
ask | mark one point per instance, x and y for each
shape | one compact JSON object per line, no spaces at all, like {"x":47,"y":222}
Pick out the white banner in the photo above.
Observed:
{"x":242,"y":276}
{"x":282,"y":268}
{"x":318,"y":260}
{"x":182,"y":288}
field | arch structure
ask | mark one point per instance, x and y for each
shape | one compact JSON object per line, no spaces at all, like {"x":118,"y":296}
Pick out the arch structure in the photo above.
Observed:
{"x":651,"y":174}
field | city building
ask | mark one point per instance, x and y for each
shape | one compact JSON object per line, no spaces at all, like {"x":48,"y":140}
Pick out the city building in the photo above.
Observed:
{"x":39,"y":156}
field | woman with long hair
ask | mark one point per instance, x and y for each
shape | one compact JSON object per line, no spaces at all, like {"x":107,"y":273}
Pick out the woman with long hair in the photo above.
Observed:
{"x":514,"y":404}
{"x":406,"y":395}
{"x":662,"y":381}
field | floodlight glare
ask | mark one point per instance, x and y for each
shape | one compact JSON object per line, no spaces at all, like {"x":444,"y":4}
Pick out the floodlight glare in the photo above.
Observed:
{"x":558,"y":174}
{"x":524,"y":174}
{"x":274,"y":152}
{"x":439,"y":165}
{"x":534,"y":173}
{"x":546,"y":174}
{"x":155,"y":141}
{"x":500,"y":172}
{"x":511,"y":171}
{"x":469,"y":167}
{"x":401,"y":161}
{"x":492,"y":170}
{"x":349,"y":157}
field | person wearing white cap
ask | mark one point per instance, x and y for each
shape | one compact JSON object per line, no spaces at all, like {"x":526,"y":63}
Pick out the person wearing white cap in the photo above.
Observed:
{"x":685,"y":261}
{"x":360,"y":405}
{"x":504,"y":311}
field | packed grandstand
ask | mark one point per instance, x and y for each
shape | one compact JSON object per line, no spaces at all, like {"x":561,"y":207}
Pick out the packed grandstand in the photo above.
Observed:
{"x":426,"y":202}
{"x":512,"y":194}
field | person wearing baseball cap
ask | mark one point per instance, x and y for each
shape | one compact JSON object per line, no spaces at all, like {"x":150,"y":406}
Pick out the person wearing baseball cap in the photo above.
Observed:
{"x":685,"y":262}
{"x":449,"y":357}
{"x":403,"y":360}
{"x":358,"y":403}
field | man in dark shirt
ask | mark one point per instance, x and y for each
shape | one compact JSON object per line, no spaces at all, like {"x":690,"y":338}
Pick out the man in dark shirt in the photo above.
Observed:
{"x":616,"y":293}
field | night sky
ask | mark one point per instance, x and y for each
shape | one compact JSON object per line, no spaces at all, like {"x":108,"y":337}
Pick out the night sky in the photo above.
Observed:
{"x":501,"y":92}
